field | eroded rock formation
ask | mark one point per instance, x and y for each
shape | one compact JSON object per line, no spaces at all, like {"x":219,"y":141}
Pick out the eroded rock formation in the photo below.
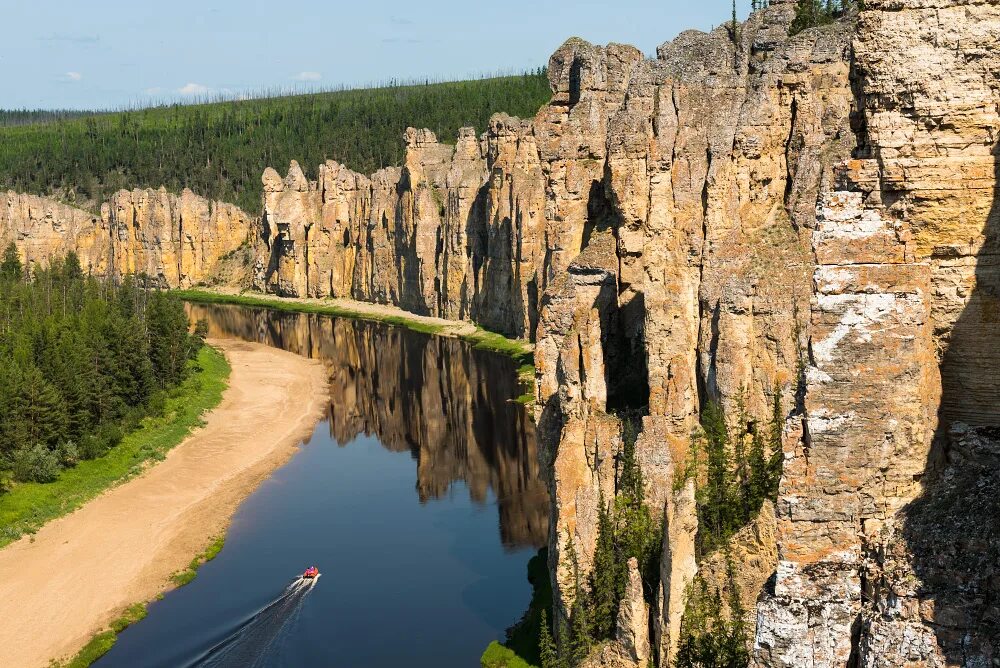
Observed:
{"x":177,"y":240}
{"x":903,"y":351}
{"x":42,"y":228}
{"x":748,"y":213}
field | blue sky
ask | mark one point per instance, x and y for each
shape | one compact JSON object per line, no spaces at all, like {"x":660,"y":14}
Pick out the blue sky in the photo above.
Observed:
{"x":109,"y":53}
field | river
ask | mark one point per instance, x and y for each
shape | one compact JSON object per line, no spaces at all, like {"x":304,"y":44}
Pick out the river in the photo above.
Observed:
{"x":418,"y":496}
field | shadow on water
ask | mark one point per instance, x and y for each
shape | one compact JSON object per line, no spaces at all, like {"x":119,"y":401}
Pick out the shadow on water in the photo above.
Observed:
{"x":437,"y":398}
{"x":953,"y":528}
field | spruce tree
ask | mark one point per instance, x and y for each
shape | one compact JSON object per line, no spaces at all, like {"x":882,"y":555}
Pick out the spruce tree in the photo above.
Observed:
{"x":605,"y":576}
{"x":547,"y":651}
{"x":716,"y":509}
{"x":776,"y":460}
{"x":11,"y":267}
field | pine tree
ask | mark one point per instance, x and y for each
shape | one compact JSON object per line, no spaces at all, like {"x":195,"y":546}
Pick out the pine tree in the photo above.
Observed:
{"x":580,"y":634}
{"x":580,"y":637}
{"x":716,"y":509}
{"x":630,"y":484}
{"x":776,"y":460}
{"x":605,"y":576}
{"x":11,"y":267}
{"x":548,"y":653}
{"x":759,"y":474}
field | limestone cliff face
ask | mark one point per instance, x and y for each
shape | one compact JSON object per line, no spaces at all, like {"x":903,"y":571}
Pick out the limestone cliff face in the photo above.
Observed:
{"x":456,"y":232}
{"x":177,"y":240}
{"x":41,"y":228}
{"x":695,"y":278}
{"x":903,"y":352}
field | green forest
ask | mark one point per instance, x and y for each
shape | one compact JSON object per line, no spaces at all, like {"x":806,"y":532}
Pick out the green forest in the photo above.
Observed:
{"x":82,"y":361}
{"x":219,"y":150}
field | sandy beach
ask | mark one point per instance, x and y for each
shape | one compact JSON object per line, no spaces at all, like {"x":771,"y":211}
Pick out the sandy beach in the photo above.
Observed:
{"x":79,"y":572}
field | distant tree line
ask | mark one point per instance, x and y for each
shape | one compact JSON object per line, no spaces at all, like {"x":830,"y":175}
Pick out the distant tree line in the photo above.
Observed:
{"x":812,"y":13}
{"x":34,"y":116}
{"x":81,"y":362}
{"x":220,"y":150}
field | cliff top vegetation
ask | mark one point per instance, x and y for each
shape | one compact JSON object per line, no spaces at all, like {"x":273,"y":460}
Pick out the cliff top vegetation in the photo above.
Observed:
{"x":219,"y":149}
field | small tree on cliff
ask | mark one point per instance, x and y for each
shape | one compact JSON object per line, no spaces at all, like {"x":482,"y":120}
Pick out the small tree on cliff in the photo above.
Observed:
{"x":605,"y":576}
{"x":11,"y":267}
{"x":547,"y":652}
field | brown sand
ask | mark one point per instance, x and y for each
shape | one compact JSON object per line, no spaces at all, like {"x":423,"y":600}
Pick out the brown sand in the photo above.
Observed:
{"x":80,"y":571}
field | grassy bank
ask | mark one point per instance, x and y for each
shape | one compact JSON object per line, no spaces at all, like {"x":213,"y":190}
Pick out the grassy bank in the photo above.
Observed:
{"x":27,"y":506}
{"x":520,"y":351}
{"x":102,"y":643}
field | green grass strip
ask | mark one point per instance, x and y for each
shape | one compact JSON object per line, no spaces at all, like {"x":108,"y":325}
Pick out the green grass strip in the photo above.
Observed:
{"x":282,"y":304}
{"x":181,"y":578}
{"x":102,"y":643}
{"x":482,"y":339}
{"x":27,"y":506}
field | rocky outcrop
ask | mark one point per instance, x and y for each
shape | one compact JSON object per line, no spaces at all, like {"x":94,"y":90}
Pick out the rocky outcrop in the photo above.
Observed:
{"x":456,"y":232}
{"x":705,"y":168}
{"x":901,"y":350}
{"x":42,"y":229}
{"x":177,"y":240}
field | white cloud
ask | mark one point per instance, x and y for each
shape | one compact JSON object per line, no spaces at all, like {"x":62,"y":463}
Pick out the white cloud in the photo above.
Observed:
{"x":155,"y":90}
{"x":73,"y":76}
{"x":308,"y":76}
{"x":194,"y":89}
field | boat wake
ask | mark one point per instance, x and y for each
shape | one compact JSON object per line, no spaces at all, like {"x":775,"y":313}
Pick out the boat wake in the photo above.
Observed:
{"x":250,"y":643}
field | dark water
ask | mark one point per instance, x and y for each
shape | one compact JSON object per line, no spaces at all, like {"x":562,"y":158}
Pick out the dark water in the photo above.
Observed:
{"x":423,"y":556}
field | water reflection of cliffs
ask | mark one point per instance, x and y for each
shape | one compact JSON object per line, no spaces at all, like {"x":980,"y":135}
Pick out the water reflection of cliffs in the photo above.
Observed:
{"x":439,"y":399}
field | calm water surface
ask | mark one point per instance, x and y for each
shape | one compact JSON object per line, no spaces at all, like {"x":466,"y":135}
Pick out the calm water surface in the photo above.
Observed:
{"x":423,"y":556}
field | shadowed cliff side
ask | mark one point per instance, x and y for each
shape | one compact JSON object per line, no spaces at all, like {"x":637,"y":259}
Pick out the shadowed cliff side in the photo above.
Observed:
{"x":886,"y":515}
{"x":937,"y":584}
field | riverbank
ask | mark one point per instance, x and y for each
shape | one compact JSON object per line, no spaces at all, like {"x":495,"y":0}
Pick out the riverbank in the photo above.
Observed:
{"x":522,"y":351}
{"x":78,"y":573}
{"x":28,"y":506}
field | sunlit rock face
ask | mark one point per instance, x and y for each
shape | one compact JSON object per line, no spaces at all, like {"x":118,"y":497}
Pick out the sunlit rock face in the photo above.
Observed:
{"x":43,"y":229}
{"x":176,"y":240}
{"x":456,"y":232}
{"x":448,"y":405}
{"x":702,"y":171}
{"x":902,"y":384}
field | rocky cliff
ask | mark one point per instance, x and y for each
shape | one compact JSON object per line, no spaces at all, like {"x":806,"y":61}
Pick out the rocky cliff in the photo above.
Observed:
{"x":456,"y":232}
{"x":750,"y":214}
{"x":177,"y":240}
{"x":42,"y":228}
{"x":903,"y":360}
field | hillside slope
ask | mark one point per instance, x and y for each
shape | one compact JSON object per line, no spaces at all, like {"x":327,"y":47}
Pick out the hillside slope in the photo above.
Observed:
{"x":218,"y":149}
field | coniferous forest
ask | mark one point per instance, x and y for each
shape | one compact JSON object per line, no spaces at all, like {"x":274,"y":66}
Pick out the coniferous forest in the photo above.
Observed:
{"x":219,"y":150}
{"x":82,"y":361}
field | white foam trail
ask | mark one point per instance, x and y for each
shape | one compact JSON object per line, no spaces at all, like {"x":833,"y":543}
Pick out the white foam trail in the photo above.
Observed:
{"x":249,"y":642}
